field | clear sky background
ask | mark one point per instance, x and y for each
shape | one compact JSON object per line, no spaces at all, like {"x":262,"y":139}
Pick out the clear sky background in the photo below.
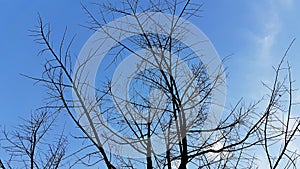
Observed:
{"x":255,"y":34}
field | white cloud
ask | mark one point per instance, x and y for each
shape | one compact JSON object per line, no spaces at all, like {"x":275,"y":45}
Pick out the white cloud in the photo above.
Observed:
{"x":218,"y":145}
{"x":287,"y":3}
{"x":262,"y":162}
{"x":270,"y":26}
{"x":263,"y":55}
{"x":175,"y":164}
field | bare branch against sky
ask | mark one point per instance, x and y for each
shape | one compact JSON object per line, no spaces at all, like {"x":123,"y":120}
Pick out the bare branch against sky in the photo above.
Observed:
{"x":148,"y":90}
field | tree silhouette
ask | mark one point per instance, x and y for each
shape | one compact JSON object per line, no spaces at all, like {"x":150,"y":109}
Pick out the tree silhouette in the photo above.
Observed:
{"x":168,"y":106}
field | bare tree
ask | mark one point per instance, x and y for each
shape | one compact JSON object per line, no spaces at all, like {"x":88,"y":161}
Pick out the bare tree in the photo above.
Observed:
{"x":28,"y":146}
{"x":166,"y":102}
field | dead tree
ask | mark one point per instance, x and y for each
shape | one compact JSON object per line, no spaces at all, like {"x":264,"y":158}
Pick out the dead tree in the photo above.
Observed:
{"x":163,"y":101}
{"x":28,"y":146}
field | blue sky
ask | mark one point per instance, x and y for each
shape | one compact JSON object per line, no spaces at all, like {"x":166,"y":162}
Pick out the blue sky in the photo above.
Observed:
{"x":19,"y":52}
{"x":255,"y":34}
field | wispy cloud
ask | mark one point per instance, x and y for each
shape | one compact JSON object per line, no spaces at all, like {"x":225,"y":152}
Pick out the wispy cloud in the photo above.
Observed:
{"x":264,"y":37}
{"x":269,"y":24}
{"x":286,"y":3}
{"x":270,"y":27}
